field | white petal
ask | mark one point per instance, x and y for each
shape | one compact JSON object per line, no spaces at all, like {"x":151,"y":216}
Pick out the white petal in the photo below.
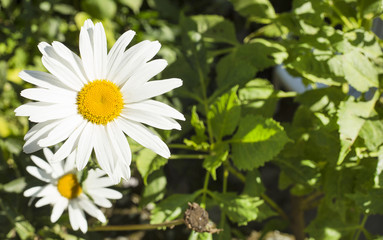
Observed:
{"x":59,"y":67}
{"x":77,"y":217}
{"x":101,"y":201}
{"x":42,"y":79}
{"x":91,"y":209}
{"x":33,"y":191}
{"x":117,"y":51}
{"x":58,"y":169}
{"x":48,"y":154}
{"x":86,"y":48}
{"x":41,"y":164}
{"x":145,"y":73}
{"x":119,"y":143}
{"x":144,"y":136}
{"x":58,"y":208}
{"x":151,"y":119}
{"x":49,"y":96}
{"x":85,"y":146}
{"x":69,"y":145}
{"x":123,"y":170}
{"x":99,"y":51}
{"x":48,"y":199}
{"x":62,"y":131}
{"x":156,"y":107}
{"x":41,"y":112}
{"x":105,"y":192}
{"x":40,"y":174}
{"x":151,"y":89}
{"x":97,"y":182}
{"x":133,"y":58}
{"x":70,"y":162}
{"x":104,"y":153}
{"x":40,"y":130}
{"x":72,"y":59}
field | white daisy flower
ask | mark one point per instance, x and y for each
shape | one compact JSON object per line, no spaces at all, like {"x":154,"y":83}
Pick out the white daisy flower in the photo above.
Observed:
{"x":64,"y":191}
{"x":92,"y":101}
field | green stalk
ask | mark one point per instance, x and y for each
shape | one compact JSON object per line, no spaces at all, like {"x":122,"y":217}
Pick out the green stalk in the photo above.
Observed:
{"x":205,"y":190}
{"x":188,"y":156}
{"x":135,"y":227}
{"x":268,"y":200}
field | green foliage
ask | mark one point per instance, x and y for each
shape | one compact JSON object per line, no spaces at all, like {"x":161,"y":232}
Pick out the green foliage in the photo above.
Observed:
{"x":257,"y":141}
{"x":329,"y":155}
{"x":240,"y":209}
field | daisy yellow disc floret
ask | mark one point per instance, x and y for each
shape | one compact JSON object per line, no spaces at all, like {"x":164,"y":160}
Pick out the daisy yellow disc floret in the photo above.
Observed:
{"x":63,"y":190}
{"x":90,"y":103}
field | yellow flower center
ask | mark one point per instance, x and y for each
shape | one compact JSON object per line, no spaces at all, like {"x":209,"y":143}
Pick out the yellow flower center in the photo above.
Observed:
{"x":68,"y":186}
{"x":100,"y":101}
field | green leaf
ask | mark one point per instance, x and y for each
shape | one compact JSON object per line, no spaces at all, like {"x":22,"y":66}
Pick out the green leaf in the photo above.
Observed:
{"x":258,"y":97}
{"x":171,"y":208}
{"x":370,"y":202}
{"x":101,"y":9}
{"x":370,"y":8}
{"x":215,"y":28}
{"x":257,"y":141}
{"x":244,"y":61}
{"x":135,"y":5}
{"x":257,"y":10}
{"x":148,"y":162}
{"x":253,"y":184}
{"x":351,"y":118}
{"x":218,"y":156}
{"x":199,"y":139}
{"x":328,"y":225}
{"x":372,"y":132}
{"x":155,"y":188}
{"x":15,"y":186}
{"x":224,"y":114}
{"x":240,"y":209}
{"x":359,"y":71}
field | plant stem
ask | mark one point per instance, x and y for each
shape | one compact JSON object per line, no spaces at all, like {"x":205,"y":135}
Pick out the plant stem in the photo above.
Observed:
{"x":344,"y":19}
{"x":138,"y":226}
{"x":360,"y":229}
{"x":205,"y":190}
{"x":268,"y":200}
{"x":188,"y":156}
{"x":224,"y":189}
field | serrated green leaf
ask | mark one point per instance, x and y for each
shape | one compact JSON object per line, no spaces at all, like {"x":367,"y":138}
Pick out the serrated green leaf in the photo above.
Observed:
{"x":224,"y":114}
{"x":218,"y":156}
{"x":171,"y":208}
{"x":241,"y":65}
{"x":370,"y":8}
{"x":240,"y":209}
{"x":372,"y":132}
{"x":334,"y":227}
{"x":370,"y":202}
{"x":359,"y":71}
{"x":351,"y":118}
{"x":155,"y":188}
{"x":258,"y":97}
{"x":257,"y":141}
{"x":199,"y":140}
{"x":257,"y":10}
{"x":253,"y":184}
{"x":148,"y":162}
{"x":215,"y":28}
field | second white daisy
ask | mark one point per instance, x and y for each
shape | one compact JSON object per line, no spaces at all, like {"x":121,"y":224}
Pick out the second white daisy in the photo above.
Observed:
{"x":64,"y":191}
{"x":91,"y":102}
